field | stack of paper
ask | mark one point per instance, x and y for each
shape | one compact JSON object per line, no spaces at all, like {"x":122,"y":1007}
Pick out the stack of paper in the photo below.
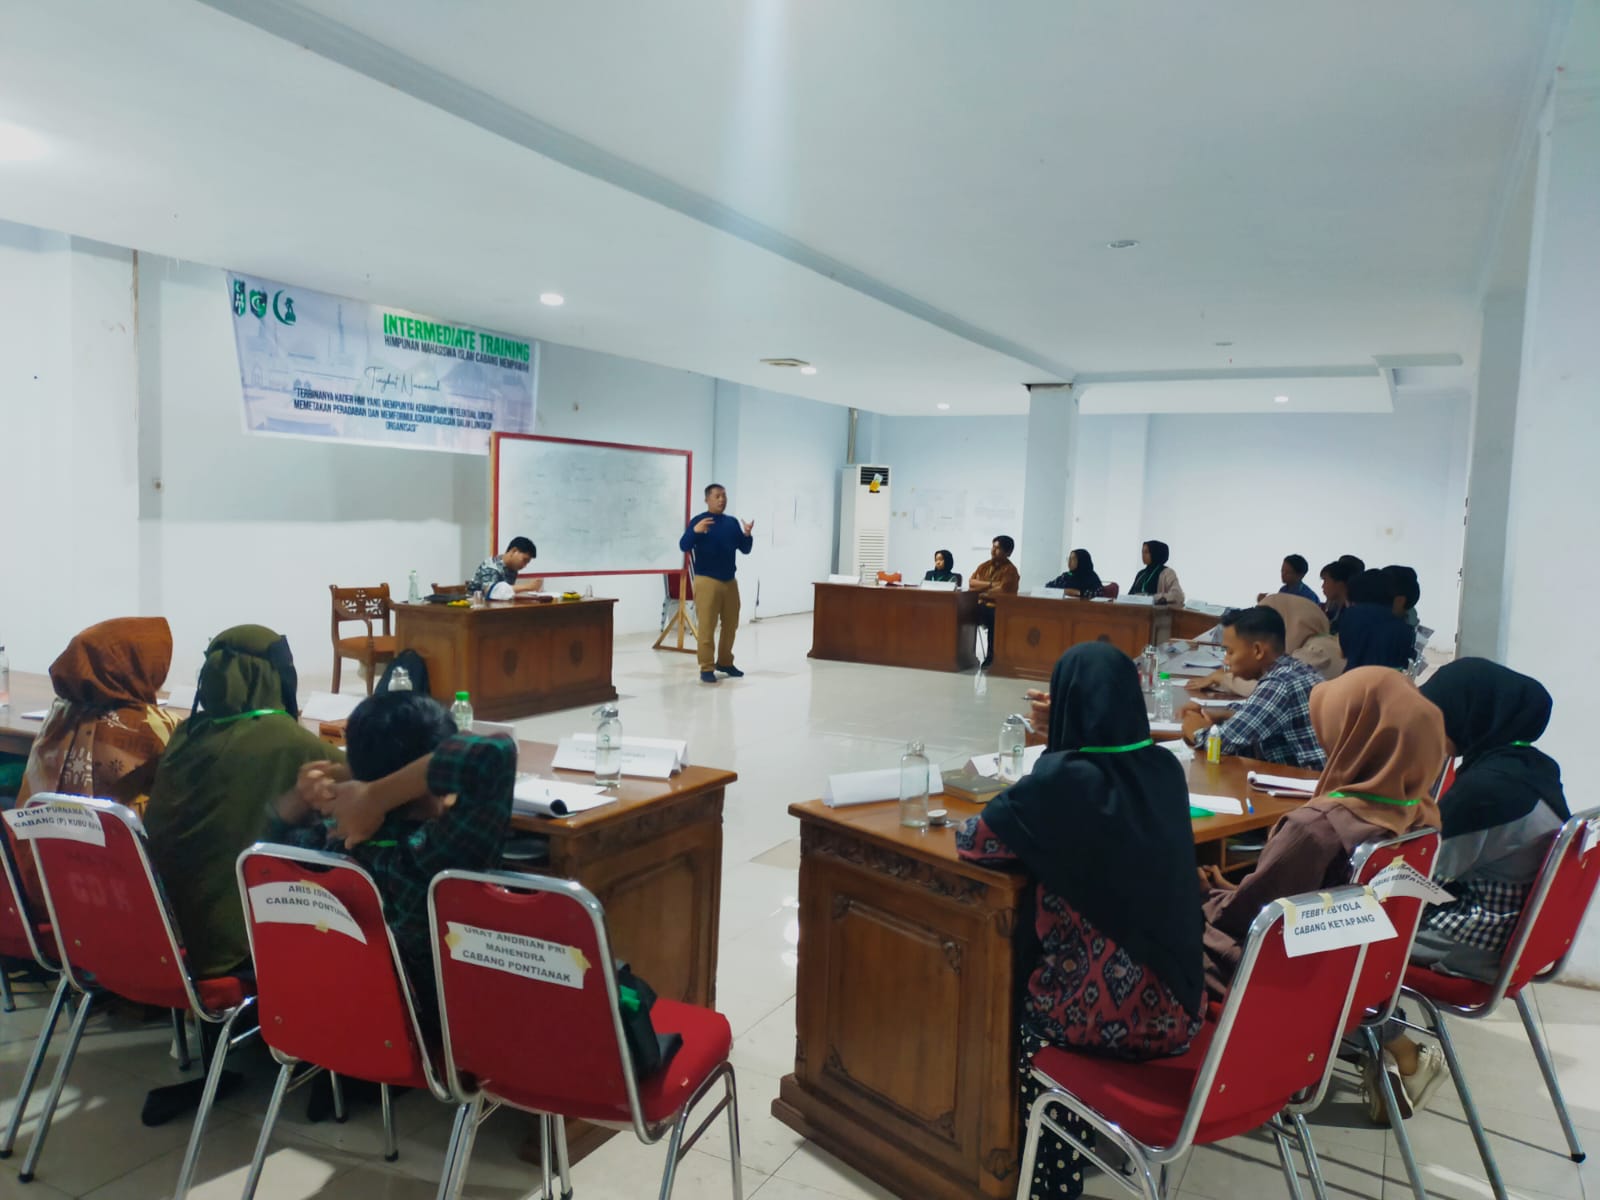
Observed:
{"x":989,"y":764}
{"x":1224,"y":806}
{"x":865,"y":787}
{"x":643,"y":758}
{"x":556,"y":797}
{"x":1283,"y":785}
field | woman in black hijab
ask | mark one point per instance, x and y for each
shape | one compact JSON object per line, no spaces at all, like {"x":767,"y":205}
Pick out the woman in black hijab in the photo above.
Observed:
{"x":1079,"y":579}
{"x":1102,"y":824}
{"x":943,"y":569}
{"x":1370,"y":635}
{"x":1155,"y":578}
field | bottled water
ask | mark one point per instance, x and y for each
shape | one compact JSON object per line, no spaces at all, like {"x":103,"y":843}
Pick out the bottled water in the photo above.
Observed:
{"x":1164,"y":697}
{"x":914,"y":787}
{"x":1013,"y":743}
{"x":414,"y":596}
{"x":461,"y":710}
{"x":400,"y":680}
{"x":608,"y":746}
{"x":1149,"y":664}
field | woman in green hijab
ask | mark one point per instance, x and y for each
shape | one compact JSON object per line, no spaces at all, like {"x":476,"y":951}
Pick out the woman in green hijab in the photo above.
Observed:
{"x":240,"y":749}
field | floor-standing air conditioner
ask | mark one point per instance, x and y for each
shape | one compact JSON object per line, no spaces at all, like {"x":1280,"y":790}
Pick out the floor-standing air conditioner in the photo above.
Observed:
{"x":863,"y":520}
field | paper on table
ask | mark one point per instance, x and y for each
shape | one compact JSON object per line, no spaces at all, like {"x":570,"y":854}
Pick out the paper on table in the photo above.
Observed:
{"x":181,"y":696}
{"x":989,"y":764}
{"x":643,"y":762}
{"x":39,"y":715}
{"x":1282,"y":783}
{"x":865,"y":787}
{"x":1049,"y":593}
{"x":328,"y":706}
{"x":937,"y":585}
{"x":1221,"y":805}
{"x":1166,"y":726}
{"x":844,"y":579}
{"x":1180,"y":749}
{"x":556,"y":797}
{"x":1203,"y":703}
{"x":678,"y":749}
{"x":1131,"y":599}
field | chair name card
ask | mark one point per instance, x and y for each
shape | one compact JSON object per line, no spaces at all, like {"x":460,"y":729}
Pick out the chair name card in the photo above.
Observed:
{"x":56,"y":819}
{"x":1331,"y":924}
{"x":1400,"y":878}
{"x":297,"y":902}
{"x":515,"y":954}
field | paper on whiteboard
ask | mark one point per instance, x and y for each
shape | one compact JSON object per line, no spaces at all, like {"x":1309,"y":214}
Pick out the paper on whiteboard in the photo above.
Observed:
{"x":556,"y":797}
{"x":642,"y":762}
{"x":989,"y":764}
{"x":1400,"y":878}
{"x":1285,"y":785}
{"x":1222,"y":806}
{"x":56,"y":819}
{"x":866,"y":787}
{"x":1357,"y":921}
{"x":301,"y":903}
{"x":678,"y":749}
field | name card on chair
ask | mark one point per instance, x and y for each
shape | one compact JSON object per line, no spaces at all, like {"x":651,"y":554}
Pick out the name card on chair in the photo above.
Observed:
{"x":1400,"y":878}
{"x":56,"y":819}
{"x":1313,"y":928}
{"x":532,"y":958}
{"x":294,"y":902}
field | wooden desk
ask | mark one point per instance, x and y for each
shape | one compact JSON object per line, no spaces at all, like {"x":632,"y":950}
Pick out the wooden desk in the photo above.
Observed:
{"x":895,"y":626}
{"x":514,"y":657}
{"x":1032,"y":632}
{"x":905,"y":1040}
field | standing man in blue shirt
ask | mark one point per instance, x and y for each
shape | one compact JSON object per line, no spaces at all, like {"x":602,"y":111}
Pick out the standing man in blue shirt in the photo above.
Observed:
{"x":712,"y":538}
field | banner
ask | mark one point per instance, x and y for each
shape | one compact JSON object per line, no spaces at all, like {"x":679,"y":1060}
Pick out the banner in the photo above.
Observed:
{"x":314,"y":365}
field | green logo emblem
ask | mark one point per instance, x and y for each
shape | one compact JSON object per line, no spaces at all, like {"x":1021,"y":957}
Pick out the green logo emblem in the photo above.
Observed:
{"x":283,"y":307}
{"x":258,"y":302}
{"x":238,"y":297}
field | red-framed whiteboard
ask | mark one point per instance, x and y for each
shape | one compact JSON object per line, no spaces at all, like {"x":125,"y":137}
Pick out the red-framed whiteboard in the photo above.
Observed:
{"x":592,"y":508}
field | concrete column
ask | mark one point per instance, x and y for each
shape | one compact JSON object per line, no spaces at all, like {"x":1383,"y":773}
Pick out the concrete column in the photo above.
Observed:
{"x":1047,"y":484}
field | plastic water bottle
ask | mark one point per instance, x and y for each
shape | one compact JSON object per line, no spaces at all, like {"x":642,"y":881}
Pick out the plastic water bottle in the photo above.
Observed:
{"x":1149,"y":664}
{"x":400,"y":680}
{"x":1013,"y":744}
{"x":461,"y":710}
{"x":1214,"y":745}
{"x":5,"y":680}
{"x":608,"y":746}
{"x":414,"y":595}
{"x":1164,"y":697}
{"x":914,"y":787}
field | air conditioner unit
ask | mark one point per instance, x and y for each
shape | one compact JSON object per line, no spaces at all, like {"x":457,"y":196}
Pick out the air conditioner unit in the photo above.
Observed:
{"x":863,"y":520}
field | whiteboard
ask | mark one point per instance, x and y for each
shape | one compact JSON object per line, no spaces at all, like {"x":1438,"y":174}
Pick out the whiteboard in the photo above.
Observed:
{"x":592,"y":508}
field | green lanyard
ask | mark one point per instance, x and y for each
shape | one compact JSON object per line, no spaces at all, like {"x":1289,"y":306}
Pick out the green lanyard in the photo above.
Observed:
{"x":260,"y":712}
{"x":1116,"y":749}
{"x":1522,"y":743}
{"x":1373,"y":798}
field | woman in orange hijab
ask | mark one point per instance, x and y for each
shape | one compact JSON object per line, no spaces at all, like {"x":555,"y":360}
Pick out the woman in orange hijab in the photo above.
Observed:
{"x":104,"y":733}
{"x":1385,"y":746}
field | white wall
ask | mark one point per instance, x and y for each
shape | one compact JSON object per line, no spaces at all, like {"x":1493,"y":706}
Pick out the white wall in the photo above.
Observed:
{"x":956,"y":482}
{"x":1233,"y":494}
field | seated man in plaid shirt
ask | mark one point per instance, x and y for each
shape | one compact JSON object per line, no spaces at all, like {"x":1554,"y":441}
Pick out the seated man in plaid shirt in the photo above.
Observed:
{"x":1274,"y":723}
{"x":417,"y":798}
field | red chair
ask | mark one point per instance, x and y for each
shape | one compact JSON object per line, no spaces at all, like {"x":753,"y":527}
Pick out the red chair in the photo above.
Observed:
{"x":1383,"y":971}
{"x":334,"y":995}
{"x":1272,"y":1046}
{"x":117,"y":938}
{"x":1537,"y":953}
{"x":529,"y":1001}
{"x":23,"y":935}
{"x":1110,"y":591}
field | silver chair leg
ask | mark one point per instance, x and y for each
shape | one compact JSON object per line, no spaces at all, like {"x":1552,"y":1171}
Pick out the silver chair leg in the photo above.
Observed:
{"x":1286,"y":1160}
{"x":1308,"y":1151}
{"x":259,"y":1160}
{"x":180,"y":1039}
{"x":455,"y":1180}
{"x":63,"y":1068}
{"x":31,"y":1075}
{"x":8,"y":1002}
{"x":340,"y":1113}
{"x":447,"y":1169}
{"x":391,"y":1144}
{"x":669,"y":1173}
{"x":733,"y":1135}
{"x":1475,"y":1122}
{"x":1541,"y":1052}
{"x":545,"y":1176}
{"x":1396,"y":1122}
{"x":563,"y":1167}
{"x":208,"y":1097}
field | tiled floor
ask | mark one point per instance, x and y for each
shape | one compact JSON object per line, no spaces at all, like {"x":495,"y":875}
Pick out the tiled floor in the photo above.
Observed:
{"x":784,"y":727}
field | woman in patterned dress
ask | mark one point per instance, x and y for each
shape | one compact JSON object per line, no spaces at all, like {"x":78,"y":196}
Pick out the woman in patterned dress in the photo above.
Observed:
{"x":1102,"y":825}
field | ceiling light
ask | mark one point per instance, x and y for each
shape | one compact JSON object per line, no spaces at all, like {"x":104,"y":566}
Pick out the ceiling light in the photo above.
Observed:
{"x":942,"y":406}
{"x":1122,"y":244}
{"x":1222,"y":343}
{"x":552,"y":299}
{"x":18,"y":145}
{"x":1280,"y":399}
{"x":808,"y":369}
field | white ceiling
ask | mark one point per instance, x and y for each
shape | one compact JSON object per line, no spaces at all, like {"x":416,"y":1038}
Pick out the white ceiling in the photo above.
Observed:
{"x":913,"y":194}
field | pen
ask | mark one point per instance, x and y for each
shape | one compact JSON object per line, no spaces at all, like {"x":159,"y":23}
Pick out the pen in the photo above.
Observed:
{"x":1249,"y":806}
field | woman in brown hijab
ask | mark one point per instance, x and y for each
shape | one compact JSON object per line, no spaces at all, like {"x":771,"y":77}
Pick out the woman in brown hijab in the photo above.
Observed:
{"x":1385,"y":746}
{"x":1306,"y":636}
{"x":105,"y":733}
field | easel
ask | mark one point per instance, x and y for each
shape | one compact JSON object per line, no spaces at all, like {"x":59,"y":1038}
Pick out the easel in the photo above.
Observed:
{"x":679,"y":620}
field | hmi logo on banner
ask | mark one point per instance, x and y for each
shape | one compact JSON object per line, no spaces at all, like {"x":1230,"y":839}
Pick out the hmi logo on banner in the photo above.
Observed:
{"x":254,"y":301}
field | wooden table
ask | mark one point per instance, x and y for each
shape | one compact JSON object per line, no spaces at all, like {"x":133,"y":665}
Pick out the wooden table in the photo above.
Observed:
{"x":933,"y":630}
{"x":1032,"y":632}
{"x":513,"y":657}
{"x":905,"y":1040}
{"x":29,"y":693}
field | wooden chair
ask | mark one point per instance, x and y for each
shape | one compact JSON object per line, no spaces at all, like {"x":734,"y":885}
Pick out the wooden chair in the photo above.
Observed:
{"x":364,"y":604}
